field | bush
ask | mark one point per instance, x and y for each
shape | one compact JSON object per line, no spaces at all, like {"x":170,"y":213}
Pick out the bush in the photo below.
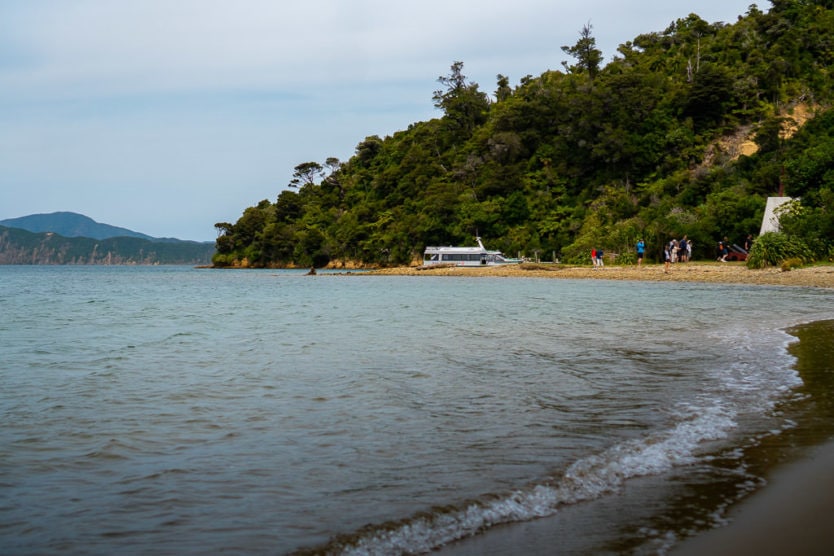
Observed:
{"x":627,"y":258}
{"x":792,"y":263}
{"x":222,"y":259}
{"x":772,"y":248}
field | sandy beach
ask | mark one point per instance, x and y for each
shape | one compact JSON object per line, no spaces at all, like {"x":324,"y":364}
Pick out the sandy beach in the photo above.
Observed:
{"x":726,"y":273}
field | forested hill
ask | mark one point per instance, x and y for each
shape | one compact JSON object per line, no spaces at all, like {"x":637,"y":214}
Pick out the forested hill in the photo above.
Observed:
{"x":71,"y":224}
{"x":18,"y":246}
{"x":686,"y":131}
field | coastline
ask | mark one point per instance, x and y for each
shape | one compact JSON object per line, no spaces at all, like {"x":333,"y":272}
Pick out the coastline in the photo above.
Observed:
{"x":723,"y":273}
{"x":790,"y":512}
{"x":790,"y":515}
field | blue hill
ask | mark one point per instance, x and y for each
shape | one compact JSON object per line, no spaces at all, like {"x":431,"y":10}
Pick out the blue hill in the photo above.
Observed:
{"x":71,"y":224}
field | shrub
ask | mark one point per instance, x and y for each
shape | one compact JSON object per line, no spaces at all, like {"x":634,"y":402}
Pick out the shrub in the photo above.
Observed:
{"x":772,"y":248}
{"x":222,"y":259}
{"x":627,"y":258}
{"x":792,"y":263}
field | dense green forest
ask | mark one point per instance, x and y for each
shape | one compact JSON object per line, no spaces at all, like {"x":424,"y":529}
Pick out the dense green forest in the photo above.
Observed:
{"x":650,"y":145}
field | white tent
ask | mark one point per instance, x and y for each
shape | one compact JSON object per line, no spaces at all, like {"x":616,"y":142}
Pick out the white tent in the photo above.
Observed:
{"x":770,"y":222}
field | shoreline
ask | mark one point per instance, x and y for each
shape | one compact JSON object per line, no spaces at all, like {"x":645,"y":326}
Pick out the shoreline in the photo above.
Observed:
{"x":789,"y":513}
{"x":821,"y":276}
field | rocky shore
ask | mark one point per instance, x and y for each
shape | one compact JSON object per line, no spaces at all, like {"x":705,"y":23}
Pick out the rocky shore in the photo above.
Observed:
{"x":821,"y":276}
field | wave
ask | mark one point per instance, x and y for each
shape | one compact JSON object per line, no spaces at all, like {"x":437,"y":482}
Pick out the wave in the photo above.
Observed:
{"x":586,"y":479}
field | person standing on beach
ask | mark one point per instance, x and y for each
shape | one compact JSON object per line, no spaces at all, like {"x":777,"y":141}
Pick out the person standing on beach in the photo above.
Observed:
{"x":683,"y":249}
{"x":667,"y":258}
{"x":641,"y":249}
{"x":599,"y":258}
{"x":594,"y":257}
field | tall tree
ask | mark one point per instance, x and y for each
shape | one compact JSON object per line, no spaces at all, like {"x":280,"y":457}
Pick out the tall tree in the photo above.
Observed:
{"x":306,"y":174}
{"x":503,"y":92}
{"x":586,"y":53}
{"x":464,"y":105}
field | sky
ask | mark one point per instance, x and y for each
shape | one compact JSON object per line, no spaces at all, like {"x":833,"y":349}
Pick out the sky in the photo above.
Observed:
{"x":168,"y":116}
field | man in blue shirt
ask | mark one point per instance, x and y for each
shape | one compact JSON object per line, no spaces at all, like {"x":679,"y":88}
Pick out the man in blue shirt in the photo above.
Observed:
{"x":641,"y":248}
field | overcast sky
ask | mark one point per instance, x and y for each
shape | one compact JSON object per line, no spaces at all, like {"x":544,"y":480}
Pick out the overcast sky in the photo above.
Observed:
{"x":167,"y":116}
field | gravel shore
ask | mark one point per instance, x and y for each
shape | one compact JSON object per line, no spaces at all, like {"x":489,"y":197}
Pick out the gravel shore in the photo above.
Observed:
{"x":727,"y":273}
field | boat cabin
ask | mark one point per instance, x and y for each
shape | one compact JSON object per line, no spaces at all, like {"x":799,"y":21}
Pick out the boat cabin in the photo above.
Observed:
{"x":465,"y":256}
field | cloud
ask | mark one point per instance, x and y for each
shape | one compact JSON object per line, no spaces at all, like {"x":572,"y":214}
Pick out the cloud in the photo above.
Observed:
{"x":117,"y":46}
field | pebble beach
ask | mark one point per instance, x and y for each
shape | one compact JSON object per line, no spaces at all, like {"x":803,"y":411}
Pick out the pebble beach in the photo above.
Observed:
{"x":821,"y":276}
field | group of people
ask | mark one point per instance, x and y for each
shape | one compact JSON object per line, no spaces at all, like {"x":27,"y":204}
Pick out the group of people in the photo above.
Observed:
{"x":680,"y":250}
{"x":676,"y":251}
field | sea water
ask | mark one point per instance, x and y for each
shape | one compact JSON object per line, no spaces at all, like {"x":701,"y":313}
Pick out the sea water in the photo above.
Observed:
{"x":181,"y":410}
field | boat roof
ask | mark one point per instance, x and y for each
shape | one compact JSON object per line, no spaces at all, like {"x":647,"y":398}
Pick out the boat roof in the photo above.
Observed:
{"x":480,"y":249}
{"x":453,"y":249}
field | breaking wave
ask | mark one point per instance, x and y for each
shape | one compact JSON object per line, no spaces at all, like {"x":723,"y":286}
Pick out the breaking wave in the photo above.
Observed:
{"x":586,"y":479}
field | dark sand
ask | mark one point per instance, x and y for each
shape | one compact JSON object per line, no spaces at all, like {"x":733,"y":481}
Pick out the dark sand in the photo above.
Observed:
{"x":793,"y":514}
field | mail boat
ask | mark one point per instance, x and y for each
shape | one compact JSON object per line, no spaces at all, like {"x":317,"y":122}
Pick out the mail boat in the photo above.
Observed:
{"x":465,"y":256}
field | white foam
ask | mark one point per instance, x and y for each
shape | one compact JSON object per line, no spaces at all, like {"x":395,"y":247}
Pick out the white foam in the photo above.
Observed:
{"x":586,"y":479}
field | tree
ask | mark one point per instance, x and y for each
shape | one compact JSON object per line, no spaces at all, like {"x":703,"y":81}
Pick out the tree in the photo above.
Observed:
{"x":710,"y":96}
{"x":368,"y":149}
{"x":288,"y":207}
{"x":333,"y":182}
{"x":332,"y":164}
{"x":464,"y":105}
{"x":503,"y":92}
{"x":587,"y":55}
{"x":225,"y":243}
{"x":455,"y":84}
{"x":306,"y":174}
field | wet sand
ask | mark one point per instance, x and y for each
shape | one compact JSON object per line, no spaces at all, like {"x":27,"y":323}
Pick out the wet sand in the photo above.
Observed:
{"x":725,"y":273}
{"x":791,"y":515}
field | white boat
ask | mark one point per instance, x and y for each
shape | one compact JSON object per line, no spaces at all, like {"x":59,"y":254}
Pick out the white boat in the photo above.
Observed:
{"x":465,"y":256}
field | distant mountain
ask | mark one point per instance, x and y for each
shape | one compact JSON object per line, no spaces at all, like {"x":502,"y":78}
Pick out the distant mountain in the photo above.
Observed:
{"x":18,"y":246}
{"x":71,"y":224}
{"x":71,"y":238}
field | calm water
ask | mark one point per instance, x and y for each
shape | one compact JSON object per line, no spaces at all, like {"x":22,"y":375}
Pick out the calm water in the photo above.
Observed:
{"x":176,"y":410}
